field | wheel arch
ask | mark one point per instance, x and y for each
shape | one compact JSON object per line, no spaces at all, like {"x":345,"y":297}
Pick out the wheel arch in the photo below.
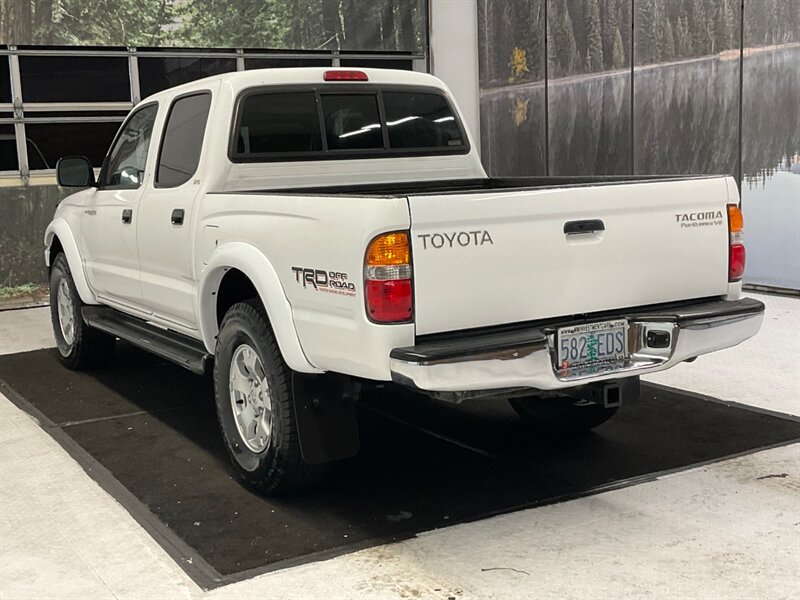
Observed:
{"x":238,"y":259}
{"x":58,"y":237}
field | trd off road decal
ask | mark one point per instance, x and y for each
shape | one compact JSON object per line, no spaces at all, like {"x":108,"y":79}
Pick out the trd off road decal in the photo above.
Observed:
{"x":332,"y":282}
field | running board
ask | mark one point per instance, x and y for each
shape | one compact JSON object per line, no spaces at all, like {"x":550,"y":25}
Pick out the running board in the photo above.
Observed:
{"x":169,"y":345}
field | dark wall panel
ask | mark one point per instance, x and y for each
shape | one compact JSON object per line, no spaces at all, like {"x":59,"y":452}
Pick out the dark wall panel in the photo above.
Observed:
{"x":74,"y":78}
{"x":589,"y":93}
{"x":47,"y":142}
{"x":686,"y":86}
{"x":5,"y":80}
{"x":511,"y":46}
{"x":156,"y":74}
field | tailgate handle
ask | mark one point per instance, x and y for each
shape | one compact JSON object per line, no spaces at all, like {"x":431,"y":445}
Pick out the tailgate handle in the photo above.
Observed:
{"x":587,"y":226}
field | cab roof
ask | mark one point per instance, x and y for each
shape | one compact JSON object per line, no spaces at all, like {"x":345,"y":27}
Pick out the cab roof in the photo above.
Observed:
{"x":239,"y":80}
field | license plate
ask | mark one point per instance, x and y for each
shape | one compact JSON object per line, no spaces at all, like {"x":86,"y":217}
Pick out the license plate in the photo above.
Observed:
{"x":592,"y":344}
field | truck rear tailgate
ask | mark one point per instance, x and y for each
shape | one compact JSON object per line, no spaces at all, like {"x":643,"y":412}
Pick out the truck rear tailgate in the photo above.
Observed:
{"x":488,"y":258}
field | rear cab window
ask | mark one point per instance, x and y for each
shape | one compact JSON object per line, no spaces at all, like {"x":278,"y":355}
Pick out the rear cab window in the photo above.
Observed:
{"x":344,"y":121}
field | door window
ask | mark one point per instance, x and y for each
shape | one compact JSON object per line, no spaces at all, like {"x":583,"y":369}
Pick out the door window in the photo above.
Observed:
{"x":182,"y":140}
{"x":128,"y":155}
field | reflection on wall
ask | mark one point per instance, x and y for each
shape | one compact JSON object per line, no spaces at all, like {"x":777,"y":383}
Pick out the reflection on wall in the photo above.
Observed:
{"x":589,"y":86}
{"x":513,"y":131}
{"x":687,"y":117}
{"x":590,"y":125}
{"x":684,"y":118}
{"x":686,"y":99}
{"x":511,"y":49}
{"x":686,"y":56}
{"x":771,"y":112}
{"x":311,"y":24}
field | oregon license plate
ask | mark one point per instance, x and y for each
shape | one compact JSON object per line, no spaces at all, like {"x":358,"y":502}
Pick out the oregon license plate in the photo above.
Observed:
{"x":591,"y":344}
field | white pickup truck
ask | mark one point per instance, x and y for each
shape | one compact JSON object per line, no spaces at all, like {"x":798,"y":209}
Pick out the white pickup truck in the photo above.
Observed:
{"x":313,"y":232}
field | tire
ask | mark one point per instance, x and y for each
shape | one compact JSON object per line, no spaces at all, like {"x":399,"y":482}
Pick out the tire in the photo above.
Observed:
{"x":255,"y":409}
{"x":561,"y":416}
{"x":79,"y":345}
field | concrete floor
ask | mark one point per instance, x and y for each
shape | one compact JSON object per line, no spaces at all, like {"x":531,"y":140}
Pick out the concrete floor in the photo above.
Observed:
{"x":727,"y":530}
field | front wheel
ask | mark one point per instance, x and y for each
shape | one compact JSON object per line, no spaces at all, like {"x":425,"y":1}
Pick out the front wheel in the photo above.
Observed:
{"x":253,"y":390}
{"x":79,"y":345}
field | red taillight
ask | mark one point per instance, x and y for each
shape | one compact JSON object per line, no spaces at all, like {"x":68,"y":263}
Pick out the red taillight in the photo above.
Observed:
{"x":388,"y":289}
{"x":389,"y":301}
{"x":345,"y":76}
{"x":736,"y":254}
{"x":736,"y":262}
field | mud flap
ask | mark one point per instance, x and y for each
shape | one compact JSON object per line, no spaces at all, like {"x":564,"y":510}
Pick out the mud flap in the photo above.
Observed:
{"x":326,"y":417}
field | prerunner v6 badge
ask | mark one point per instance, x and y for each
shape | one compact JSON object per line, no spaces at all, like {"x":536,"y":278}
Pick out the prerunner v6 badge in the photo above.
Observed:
{"x":324,"y":281}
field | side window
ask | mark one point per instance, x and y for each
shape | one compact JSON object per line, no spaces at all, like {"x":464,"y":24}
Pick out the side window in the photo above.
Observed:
{"x":128,"y":155}
{"x":182,"y":140}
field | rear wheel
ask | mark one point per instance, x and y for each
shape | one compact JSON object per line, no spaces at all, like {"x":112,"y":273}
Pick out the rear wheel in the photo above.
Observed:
{"x":562,"y":415}
{"x":79,"y":345}
{"x":255,"y":408}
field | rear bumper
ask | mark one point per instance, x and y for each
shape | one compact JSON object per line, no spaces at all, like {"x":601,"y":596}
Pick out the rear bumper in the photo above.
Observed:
{"x":525,"y":357}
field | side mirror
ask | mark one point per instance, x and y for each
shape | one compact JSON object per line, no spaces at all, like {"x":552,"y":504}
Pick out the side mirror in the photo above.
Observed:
{"x":74,"y":171}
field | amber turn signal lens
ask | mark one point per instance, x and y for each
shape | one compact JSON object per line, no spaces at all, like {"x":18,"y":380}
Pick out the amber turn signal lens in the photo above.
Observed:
{"x":735,"y":218}
{"x":389,"y":249}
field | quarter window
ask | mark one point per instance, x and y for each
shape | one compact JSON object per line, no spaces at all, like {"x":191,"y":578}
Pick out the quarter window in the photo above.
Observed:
{"x":182,"y":140}
{"x":128,"y":155}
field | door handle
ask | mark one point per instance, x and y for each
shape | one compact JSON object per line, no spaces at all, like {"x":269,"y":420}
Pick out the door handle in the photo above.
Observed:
{"x":587,"y":226}
{"x":177,"y":216}
{"x":127,"y":216}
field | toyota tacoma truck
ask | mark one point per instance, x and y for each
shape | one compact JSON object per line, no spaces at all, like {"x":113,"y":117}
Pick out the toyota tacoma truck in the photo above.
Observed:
{"x":311,"y":233}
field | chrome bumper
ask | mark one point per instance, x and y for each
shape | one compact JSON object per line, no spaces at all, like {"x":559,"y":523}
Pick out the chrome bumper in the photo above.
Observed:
{"x":525,"y":357}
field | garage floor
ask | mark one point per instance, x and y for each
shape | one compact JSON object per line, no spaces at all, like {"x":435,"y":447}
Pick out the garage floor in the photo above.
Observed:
{"x":730,"y":528}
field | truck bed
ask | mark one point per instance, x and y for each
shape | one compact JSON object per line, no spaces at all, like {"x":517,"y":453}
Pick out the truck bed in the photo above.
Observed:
{"x":492,"y":251}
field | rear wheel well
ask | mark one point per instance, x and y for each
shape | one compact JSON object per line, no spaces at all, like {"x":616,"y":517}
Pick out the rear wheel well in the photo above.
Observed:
{"x":55,"y":248}
{"x":234,"y":287}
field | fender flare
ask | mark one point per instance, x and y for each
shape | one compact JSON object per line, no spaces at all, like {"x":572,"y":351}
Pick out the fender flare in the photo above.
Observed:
{"x":60,"y":228}
{"x":252,"y":262}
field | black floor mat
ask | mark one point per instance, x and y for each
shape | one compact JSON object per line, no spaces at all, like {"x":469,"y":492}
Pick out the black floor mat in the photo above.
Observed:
{"x":422,"y":465}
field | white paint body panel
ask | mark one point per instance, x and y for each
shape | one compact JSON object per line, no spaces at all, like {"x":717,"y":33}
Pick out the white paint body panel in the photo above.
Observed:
{"x":530,"y":271}
{"x":325,"y":233}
